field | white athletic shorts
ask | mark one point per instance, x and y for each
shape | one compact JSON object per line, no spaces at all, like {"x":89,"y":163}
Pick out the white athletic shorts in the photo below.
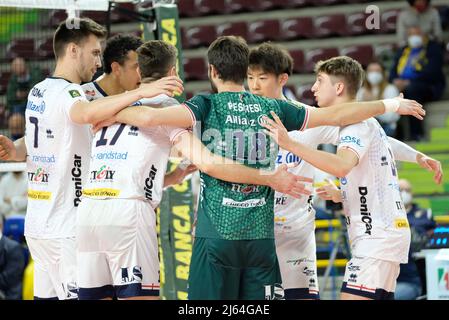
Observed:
{"x":54,"y":268}
{"x":371,"y":278}
{"x":117,"y":249}
{"x":296,"y":253}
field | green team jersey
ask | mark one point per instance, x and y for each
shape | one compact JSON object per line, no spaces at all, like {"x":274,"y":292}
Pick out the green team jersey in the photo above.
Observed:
{"x":229,"y":124}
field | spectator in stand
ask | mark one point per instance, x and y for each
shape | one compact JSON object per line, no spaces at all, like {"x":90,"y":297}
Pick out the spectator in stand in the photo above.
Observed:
{"x":21,"y":81}
{"x":13,"y":193}
{"x":422,"y":14}
{"x":417,"y":72}
{"x":12,"y":264}
{"x":16,"y":125}
{"x":376,"y":87}
{"x":409,"y":285}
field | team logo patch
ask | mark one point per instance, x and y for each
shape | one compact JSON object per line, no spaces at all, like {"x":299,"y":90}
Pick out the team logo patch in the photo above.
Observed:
{"x":74,"y":93}
{"x":401,"y":223}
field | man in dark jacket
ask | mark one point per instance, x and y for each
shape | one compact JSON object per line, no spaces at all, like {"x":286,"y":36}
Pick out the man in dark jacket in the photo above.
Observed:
{"x":418,"y":72}
{"x":12,"y":264}
{"x":421,"y":222}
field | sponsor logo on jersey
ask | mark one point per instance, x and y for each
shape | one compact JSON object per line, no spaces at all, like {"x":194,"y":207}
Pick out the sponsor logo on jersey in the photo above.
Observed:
{"x":39,"y":176}
{"x":280,"y":201}
{"x":74,"y":93}
{"x":149,"y":183}
{"x":244,"y":189}
{"x":111,"y":155}
{"x":130,"y":275}
{"x":252,"y":203}
{"x":352,"y":267}
{"x":40,"y":108}
{"x":366,"y":215}
{"x":401,"y":223}
{"x":39,"y":195}
{"x":101,"y":192}
{"x":76,"y":178}
{"x":36,"y":92}
{"x":350,"y":139}
{"x":289,"y":158}
{"x":308,"y":272}
{"x":343,"y":181}
{"x":352,"y":277}
{"x":274,"y":292}
{"x":133,"y":131}
{"x":50,"y":134}
{"x":103,"y":174}
{"x":297,"y":262}
{"x":236,"y":119}
{"x":383,"y":161}
{"x":44,"y":159}
{"x":90,"y":93}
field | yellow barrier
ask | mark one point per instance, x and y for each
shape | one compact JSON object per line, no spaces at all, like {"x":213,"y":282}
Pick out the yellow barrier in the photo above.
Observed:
{"x":335,"y":223}
{"x":28,"y":275}
{"x":337,"y":263}
{"x":441,"y":219}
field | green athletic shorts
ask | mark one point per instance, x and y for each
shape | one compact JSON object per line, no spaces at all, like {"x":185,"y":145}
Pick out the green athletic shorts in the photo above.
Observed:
{"x":234,"y":270}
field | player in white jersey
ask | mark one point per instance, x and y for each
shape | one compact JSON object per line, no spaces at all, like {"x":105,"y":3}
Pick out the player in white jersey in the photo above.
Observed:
{"x":377,"y":224}
{"x":269,"y":69}
{"x":116,"y":227}
{"x":56,"y":147}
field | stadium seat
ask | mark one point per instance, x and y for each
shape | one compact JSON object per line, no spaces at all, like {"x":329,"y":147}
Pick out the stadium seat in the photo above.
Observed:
{"x":326,"y":2}
{"x":296,"y":28}
{"x":44,"y":48}
{"x":356,"y":23}
{"x":209,"y":7}
{"x":263,"y":30}
{"x":195,"y":68}
{"x":330,"y":25}
{"x":305,"y":95}
{"x":233,"y":29}
{"x":4,"y":77}
{"x":388,"y":21}
{"x":98,"y":16}
{"x":20,"y":48}
{"x":120,"y":16}
{"x":187,"y":8}
{"x":362,"y":53}
{"x":14,"y":227}
{"x":298,"y":59}
{"x":55,"y":17}
{"x":243,"y":5}
{"x":313,"y":56}
{"x":296,"y":3}
{"x":200,"y":36}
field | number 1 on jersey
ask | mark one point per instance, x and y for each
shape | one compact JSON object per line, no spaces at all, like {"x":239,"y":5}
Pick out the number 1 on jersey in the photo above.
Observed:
{"x":35,"y":121}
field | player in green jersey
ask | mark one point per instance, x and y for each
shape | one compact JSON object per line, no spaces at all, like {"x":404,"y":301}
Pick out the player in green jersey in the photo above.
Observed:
{"x":234,"y":255}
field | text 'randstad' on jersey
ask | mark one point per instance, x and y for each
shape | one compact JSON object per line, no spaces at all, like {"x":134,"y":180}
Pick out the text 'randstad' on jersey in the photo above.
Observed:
{"x":58,"y":152}
{"x":376,"y":218}
{"x":230,"y":125}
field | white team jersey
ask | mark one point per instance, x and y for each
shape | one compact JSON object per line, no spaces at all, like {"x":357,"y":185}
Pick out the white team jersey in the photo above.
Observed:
{"x":129,"y":162}
{"x":93,"y":92}
{"x":377,"y":222}
{"x":291,"y":213}
{"x":58,"y":153}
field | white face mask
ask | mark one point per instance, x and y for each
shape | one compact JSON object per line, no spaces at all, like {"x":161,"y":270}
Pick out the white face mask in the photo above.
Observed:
{"x":374,"y":78}
{"x":415,"y":41}
{"x":406,"y":197}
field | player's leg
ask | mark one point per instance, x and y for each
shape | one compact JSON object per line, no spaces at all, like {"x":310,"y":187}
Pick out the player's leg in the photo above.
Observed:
{"x":214,"y":270}
{"x":94,"y":276}
{"x":369,"y":279}
{"x":42,"y":285}
{"x":297,"y":261}
{"x":261,"y":278}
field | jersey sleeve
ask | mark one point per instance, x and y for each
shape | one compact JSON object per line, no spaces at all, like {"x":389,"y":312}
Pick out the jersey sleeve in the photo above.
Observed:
{"x":294,"y":117}
{"x":173,"y":132}
{"x":356,"y":137}
{"x":71,"y":94}
{"x":198,"y":107}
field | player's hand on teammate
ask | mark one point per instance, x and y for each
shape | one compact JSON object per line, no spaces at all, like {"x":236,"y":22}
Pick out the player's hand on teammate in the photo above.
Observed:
{"x":288,"y":183}
{"x":410,"y":108}
{"x":329,"y":191}
{"x":431,"y":165}
{"x":168,"y":85}
{"x":276,"y":130}
{"x":7,"y":149}
{"x":105,"y":123}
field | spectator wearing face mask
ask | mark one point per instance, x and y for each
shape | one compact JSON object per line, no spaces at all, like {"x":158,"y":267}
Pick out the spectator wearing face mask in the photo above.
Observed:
{"x":417,"y":72}
{"x":422,"y":14}
{"x":409,"y":285}
{"x":376,"y":87}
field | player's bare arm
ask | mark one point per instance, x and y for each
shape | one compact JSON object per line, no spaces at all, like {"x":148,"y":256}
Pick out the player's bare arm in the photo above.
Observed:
{"x":338,"y":165}
{"x":349,"y":113}
{"x":225,"y":169}
{"x":83,"y":112}
{"x":12,"y":151}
